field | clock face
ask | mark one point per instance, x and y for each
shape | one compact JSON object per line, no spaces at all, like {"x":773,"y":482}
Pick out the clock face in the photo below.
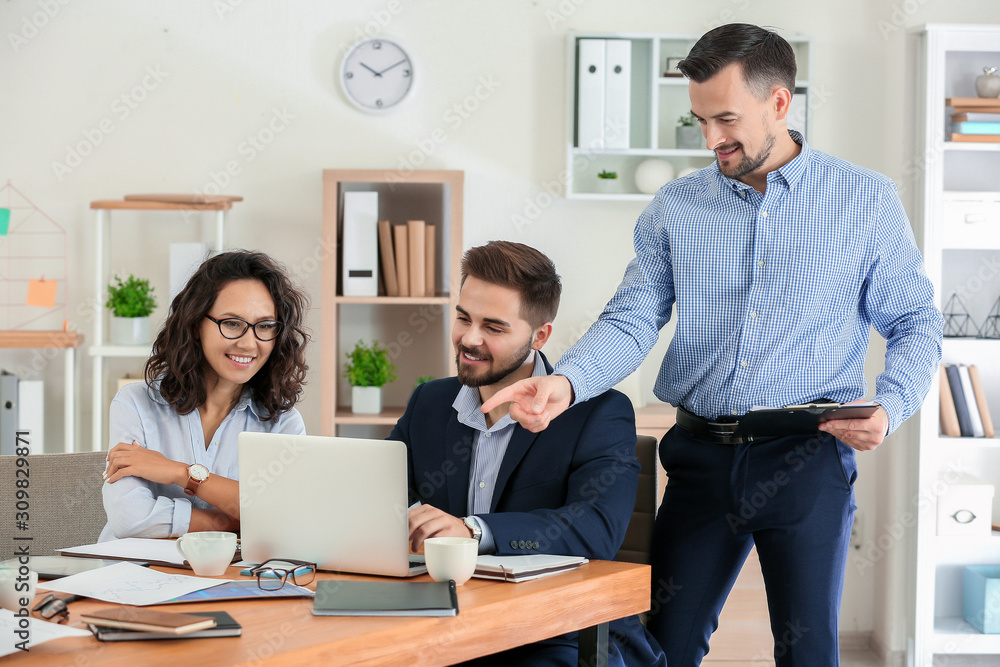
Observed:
{"x":376,"y":74}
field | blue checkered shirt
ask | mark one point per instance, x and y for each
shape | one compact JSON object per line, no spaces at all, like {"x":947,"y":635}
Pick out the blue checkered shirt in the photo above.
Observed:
{"x":775,"y":294}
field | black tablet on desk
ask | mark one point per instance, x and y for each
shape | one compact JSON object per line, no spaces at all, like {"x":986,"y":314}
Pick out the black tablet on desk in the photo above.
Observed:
{"x":799,"y":419}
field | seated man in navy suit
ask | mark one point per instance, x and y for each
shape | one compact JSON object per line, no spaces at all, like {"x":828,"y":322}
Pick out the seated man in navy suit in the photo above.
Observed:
{"x":568,"y":490}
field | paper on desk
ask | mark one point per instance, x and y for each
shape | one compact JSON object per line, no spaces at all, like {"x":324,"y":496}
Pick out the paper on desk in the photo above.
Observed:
{"x":41,"y":631}
{"x":159,"y":552}
{"x":128,"y":583}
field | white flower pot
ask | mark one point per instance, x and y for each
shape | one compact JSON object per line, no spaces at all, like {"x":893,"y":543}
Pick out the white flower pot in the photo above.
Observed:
{"x":366,"y":400}
{"x":131,"y":331}
{"x":689,"y":137}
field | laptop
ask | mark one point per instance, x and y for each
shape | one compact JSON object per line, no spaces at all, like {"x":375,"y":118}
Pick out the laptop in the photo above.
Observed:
{"x":338,"y":502}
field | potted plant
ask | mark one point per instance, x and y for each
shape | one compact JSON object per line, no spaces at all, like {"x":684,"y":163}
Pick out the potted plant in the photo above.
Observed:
{"x":688,"y":132}
{"x":607,"y":181}
{"x":368,"y":368}
{"x":131,"y":303}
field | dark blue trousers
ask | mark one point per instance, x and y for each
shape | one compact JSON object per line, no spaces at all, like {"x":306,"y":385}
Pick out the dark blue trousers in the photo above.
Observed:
{"x":792,"y":497}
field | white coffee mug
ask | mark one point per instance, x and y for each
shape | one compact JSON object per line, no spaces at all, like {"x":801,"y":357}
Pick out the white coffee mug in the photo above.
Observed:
{"x":451,"y":558}
{"x":209,"y":553}
{"x":17,"y":584}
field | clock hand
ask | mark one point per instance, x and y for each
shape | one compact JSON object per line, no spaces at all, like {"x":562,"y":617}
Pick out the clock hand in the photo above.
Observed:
{"x":371,"y":70}
{"x":381,"y":72}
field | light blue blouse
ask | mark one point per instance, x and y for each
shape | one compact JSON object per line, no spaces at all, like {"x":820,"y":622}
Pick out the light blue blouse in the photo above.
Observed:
{"x":140,"y":508}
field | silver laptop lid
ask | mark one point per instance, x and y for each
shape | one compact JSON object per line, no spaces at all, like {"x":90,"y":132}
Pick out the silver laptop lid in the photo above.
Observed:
{"x":338,"y":502}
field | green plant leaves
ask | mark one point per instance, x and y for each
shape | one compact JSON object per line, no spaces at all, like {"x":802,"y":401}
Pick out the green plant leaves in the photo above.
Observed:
{"x":131,"y":298}
{"x":369,"y":366}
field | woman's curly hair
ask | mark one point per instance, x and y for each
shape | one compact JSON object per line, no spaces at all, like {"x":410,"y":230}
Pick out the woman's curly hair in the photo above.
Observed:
{"x":178,"y":362}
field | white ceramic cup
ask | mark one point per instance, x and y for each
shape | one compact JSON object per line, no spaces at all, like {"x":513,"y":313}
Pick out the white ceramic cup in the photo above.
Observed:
{"x":451,"y":558}
{"x":209,"y":553}
{"x":16,"y":585}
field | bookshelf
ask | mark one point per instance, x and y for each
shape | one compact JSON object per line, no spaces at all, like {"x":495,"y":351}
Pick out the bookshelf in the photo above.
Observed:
{"x":956,"y":219}
{"x":415,"y":330}
{"x":654,"y":104}
{"x":101,"y":349}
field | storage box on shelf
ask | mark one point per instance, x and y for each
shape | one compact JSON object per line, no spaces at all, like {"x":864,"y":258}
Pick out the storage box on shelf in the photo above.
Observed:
{"x":415,"y":329}
{"x":65,"y":340}
{"x":957,"y":209}
{"x":624,"y":104}
{"x":101,"y":349}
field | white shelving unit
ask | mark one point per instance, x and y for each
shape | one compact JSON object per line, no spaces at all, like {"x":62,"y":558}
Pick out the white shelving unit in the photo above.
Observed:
{"x":948,"y":58}
{"x":656,"y":101}
{"x":101,"y":349}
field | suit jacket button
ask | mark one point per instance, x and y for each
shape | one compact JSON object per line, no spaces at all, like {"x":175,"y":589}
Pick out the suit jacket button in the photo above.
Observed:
{"x":534,"y":545}
{"x":513,"y":544}
{"x":522,"y":545}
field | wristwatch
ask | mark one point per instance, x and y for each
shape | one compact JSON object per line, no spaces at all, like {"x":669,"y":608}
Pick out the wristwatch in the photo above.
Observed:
{"x":197,"y":473}
{"x":473,"y":525}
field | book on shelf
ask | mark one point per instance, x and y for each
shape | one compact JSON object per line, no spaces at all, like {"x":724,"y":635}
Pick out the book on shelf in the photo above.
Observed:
{"x":973,"y":117}
{"x":981,"y":403}
{"x":399,"y":237}
{"x":417,"y":237}
{"x":970,"y":402}
{"x":975,"y":127}
{"x":973,"y":104}
{"x":976,"y":138}
{"x":388,"y":258}
{"x":961,"y":406}
{"x":962,"y":389}
{"x":431,"y":260}
{"x":949,"y":417}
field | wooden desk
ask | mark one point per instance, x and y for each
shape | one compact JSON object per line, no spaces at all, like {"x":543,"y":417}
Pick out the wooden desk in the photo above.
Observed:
{"x":493,"y":616}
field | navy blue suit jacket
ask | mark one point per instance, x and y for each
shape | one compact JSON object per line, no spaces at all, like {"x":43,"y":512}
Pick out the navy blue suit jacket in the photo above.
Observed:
{"x":567,"y":490}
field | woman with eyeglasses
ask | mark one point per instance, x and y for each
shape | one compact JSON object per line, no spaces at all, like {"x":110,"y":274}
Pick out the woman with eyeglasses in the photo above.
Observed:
{"x":229,"y":358}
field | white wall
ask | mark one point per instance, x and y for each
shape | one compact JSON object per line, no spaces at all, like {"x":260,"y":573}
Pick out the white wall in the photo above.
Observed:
{"x":226,"y":69}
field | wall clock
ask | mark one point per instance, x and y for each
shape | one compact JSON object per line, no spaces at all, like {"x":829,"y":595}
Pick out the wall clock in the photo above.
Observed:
{"x":377,"y":74}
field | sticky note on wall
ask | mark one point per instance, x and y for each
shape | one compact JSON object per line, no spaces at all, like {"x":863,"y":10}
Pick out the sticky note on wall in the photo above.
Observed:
{"x":4,"y":221}
{"x":42,"y":293}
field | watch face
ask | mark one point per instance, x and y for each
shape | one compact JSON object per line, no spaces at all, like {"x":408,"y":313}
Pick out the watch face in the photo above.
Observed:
{"x":376,"y":75}
{"x":198,"y":472}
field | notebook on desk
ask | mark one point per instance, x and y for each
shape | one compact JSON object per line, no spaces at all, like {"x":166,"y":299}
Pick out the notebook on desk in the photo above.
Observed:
{"x":338,"y":502}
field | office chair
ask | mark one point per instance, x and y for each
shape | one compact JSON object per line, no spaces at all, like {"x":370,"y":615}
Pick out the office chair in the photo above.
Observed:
{"x":64,"y":504}
{"x":638,"y":538}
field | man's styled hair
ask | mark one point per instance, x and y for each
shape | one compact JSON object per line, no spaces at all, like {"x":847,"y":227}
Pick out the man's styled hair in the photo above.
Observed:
{"x":520,"y":268}
{"x":766,"y":58}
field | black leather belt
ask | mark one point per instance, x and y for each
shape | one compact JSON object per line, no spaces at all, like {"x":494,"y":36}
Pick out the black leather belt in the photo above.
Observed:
{"x":721,"y":433}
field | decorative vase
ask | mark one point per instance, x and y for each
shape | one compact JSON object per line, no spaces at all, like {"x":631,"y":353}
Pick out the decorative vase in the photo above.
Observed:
{"x":987,"y":83}
{"x":689,"y":136}
{"x":652,"y":174}
{"x":607,"y":185}
{"x":131,"y":331}
{"x":366,"y":400}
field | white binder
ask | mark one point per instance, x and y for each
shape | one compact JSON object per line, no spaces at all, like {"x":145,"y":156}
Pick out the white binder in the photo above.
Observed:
{"x":31,"y":412}
{"x":590,"y":94}
{"x":360,"y":258}
{"x":8,"y":413}
{"x":617,"y":92}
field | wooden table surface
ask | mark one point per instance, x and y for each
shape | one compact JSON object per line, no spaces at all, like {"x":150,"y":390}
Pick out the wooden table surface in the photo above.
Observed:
{"x":493,"y":616}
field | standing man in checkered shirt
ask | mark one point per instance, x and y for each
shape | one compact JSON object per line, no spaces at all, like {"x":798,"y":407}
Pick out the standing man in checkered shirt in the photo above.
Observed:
{"x":780,"y":260}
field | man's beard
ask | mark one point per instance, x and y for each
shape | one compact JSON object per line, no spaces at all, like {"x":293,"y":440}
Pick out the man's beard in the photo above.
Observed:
{"x":488,"y":376}
{"x":749,"y":163}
